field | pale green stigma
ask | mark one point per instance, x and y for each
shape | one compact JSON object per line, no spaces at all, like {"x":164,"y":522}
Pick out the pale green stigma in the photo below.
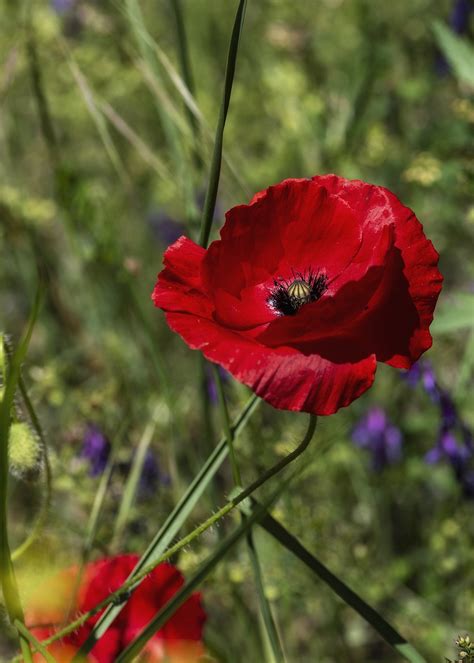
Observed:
{"x":300,"y":292}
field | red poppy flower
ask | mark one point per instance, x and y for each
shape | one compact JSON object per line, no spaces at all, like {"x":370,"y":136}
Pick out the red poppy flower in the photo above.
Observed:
{"x":309,"y":286}
{"x":179,"y":641}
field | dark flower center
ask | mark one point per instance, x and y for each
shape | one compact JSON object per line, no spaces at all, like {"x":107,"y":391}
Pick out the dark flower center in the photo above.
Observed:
{"x":287,"y":297}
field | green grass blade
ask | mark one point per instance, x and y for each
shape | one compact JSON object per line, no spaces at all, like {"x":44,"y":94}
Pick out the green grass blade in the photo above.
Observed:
{"x":133,"y":479}
{"x":454,"y":314}
{"x":458,"y":51}
{"x":175,"y":520}
{"x":211,"y":194}
{"x":186,"y":69}
{"x":98,"y":119}
{"x":158,"y":89}
{"x":141,"y":35}
{"x":265,"y":610}
{"x":148,"y":156}
{"x":369,"y":614}
{"x":205,"y":569}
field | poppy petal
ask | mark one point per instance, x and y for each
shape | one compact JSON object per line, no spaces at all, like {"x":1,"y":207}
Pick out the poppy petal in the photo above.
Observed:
{"x":99,"y":579}
{"x":284,"y":377}
{"x":180,"y":287}
{"x":414,"y":283}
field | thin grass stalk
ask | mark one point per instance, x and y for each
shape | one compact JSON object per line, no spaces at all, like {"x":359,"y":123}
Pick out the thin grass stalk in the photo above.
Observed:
{"x":49,"y":135}
{"x":134,"y":139}
{"x":191,"y":103}
{"x":214,"y":176}
{"x":39,"y":94}
{"x":135,"y":17}
{"x":226,"y":426}
{"x":89,"y":537}
{"x":35,"y":644}
{"x":133,"y":479}
{"x":265,"y":609}
{"x":97,"y":118}
{"x":205,"y":400}
{"x":181,"y":87}
{"x":7,"y":573}
{"x":187,"y":72}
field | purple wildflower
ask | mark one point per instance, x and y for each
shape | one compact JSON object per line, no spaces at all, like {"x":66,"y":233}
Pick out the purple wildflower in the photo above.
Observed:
{"x":151,"y":475}
{"x":467,"y":483}
{"x":375,"y":433}
{"x":413,"y":376}
{"x":459,"y":23}
{"x":63,"y":6}
{"x":460,"y":13}
{"x":448,"y":448}
{"x":429,"y":381}
{"x":96,"y":449}
{"x":423,"y":371}
{"x":211,"y":383}
{"x":165,"y":228}
{"x":455,"y":442}
{"x":447,"y":408}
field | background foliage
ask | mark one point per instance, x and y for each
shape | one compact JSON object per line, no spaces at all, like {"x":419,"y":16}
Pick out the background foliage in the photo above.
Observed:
{"x":100,"y":163}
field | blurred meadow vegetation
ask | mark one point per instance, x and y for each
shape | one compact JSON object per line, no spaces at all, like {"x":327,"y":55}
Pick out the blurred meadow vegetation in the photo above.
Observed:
{"x":104,"y":152}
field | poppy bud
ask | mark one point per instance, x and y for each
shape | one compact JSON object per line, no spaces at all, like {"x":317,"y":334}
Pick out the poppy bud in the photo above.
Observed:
{"x":24,"y":451}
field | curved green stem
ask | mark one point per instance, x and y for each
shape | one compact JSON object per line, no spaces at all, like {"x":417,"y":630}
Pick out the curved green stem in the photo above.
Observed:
{"x":132,"y":583}
{"x":7,"y":572}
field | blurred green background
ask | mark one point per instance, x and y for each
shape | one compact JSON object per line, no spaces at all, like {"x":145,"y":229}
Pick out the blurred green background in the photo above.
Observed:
{"x":104,"y":157}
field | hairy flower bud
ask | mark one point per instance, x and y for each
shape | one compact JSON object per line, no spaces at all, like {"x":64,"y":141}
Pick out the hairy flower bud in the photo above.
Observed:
{"x":24,"y":452}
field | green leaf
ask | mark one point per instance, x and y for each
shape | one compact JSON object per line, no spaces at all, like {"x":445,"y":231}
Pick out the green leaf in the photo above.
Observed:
{"x":458,"y":52}
{"x":369,"y":614}
{"x":175,"y":520}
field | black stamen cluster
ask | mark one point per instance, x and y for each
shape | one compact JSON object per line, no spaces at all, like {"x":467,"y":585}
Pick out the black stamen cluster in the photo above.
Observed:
{"x":281,"y":300}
